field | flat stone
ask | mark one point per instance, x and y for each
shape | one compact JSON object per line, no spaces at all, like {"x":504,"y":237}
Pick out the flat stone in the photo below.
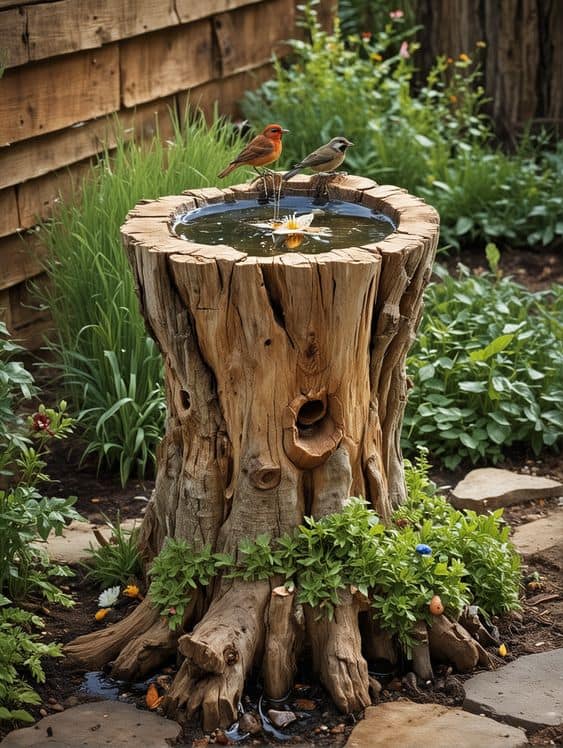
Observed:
{"x":409,"y":725}
{"x":97,"y":724}
{"x":527,"y":692}
{"x":72,"y":546}
{"x":537,"y":536}
{"x":490,"y":488}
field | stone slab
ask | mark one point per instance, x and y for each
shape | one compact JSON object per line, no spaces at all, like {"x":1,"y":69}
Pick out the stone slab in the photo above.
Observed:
{"x":71,"y":547}
{"x":95,"y":725}
{"x":527,"y":692}
{"x":537,"y":536}
{"x":408,"y":725}
{"x":491,"y":488}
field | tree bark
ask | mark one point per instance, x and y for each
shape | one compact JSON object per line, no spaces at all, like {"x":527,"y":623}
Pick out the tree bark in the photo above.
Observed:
{"x":285,"y":382}
{"x":522,"y":62}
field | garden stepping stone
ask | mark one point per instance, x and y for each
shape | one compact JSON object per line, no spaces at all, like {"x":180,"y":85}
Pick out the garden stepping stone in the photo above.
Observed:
{"x":71,"y":547}
{"x":541,"y":534}
{"x":490,"y":488}
{"x":97,"y":724}
{"x":409,"y":725}
{"x":527,"y":692}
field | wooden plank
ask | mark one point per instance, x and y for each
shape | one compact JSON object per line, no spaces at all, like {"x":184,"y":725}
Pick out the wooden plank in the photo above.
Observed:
{"x":159,"y":64}
{"x":38,"y":156}
{"x":9,"y":218}
{"x":192,"y":10}
{"x":21,"y":256}
{"x":85,"y":24}
{"x":249,"y":36}
{"x":33,"y":335}
{"x":13,"y":46}
{"x":37,"y":197}
{"x":226,"y":93}
{"x":5,"y":308}
{"x":16,"y":3}
{"x":25,"y":307}
{"x":38,"y":99}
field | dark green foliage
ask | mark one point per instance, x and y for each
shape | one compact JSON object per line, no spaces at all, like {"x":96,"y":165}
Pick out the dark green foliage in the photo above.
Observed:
{"x":487,"y":368}
{"x":116,"y":562}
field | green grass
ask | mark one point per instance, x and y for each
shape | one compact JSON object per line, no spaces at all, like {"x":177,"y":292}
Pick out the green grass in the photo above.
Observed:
{"x":110,"y":368}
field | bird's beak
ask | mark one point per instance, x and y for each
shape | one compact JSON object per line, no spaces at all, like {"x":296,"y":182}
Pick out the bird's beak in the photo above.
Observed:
{"x":284,"y":130}
{"x":350,"y":143}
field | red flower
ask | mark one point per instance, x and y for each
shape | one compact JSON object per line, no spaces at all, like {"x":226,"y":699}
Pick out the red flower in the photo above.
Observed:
{"x":41,"y":422}
{"x":366,"y":35}
{"x":394,"y":15}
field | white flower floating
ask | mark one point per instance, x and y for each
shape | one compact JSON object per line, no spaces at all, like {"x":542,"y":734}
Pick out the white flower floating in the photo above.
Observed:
{"x":109,"y":597}
{"x":295,"y":226}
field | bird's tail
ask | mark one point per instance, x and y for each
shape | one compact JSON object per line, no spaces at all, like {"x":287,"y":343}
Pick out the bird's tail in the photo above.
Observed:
{"x":291,"y":173}
{"x":227,"y":170}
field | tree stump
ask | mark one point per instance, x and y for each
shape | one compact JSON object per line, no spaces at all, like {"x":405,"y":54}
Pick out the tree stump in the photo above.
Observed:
{"x":286,"y":385}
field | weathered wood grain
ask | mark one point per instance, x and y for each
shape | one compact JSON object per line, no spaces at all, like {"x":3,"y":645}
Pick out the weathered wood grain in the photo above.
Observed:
{"x":225,"y":94}
{"x":20,"y":258}
{"x":37,"y":197}
{"x":266,"y":24}
{"x":25,"y":305}
{"x":13,"y":46}
{"x":38,"y":99}
{"x":192,"y":10}
{"x":38,"y":156}
{"x":9,"y":219}
{"x":159,"y":64}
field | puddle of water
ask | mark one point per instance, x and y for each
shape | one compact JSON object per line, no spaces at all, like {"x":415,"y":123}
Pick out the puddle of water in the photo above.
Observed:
{"x":97,"y":683}
{"x":232,"y":224}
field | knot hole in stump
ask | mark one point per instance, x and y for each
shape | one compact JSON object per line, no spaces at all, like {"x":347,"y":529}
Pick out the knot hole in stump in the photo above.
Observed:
{"x":312,"y":429}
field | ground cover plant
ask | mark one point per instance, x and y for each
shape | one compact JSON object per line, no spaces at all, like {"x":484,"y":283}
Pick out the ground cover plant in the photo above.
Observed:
{"x":110,"y":367}
{"x":487,"y":368}
{"x":435,"y":142}
{"x":430,"y":549}
{"x":26,"y":518}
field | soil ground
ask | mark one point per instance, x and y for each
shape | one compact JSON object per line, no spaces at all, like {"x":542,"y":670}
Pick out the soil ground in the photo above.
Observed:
{"x":539,"y":626}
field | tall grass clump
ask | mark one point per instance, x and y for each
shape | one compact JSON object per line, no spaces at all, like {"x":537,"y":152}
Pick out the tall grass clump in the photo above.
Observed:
{"x":111,"y":369}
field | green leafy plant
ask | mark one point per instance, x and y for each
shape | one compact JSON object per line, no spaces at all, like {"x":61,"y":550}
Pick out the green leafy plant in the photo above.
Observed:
{"x":27,"y":517}
{"x":115,"y":561}
{"x":177,"y":571}
{"x":487,"y":368}
{"x":433,"y":140}
{"x":109,"y":366}
{"x":21,"y":650}
{"x":471,"y":560}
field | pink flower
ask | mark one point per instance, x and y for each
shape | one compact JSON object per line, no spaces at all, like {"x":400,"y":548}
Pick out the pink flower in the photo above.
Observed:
{"x":394,"y":15}
{"x":404,"y":51}
{"x":172,"y":611}
{"x":41,"y":422}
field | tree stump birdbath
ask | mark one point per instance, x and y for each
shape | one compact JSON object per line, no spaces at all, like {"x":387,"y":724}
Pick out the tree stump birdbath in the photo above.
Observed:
{"x":286,"y":385}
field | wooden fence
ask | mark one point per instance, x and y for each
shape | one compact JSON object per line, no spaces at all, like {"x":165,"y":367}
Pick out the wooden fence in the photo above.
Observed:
{"x":70,"y":63}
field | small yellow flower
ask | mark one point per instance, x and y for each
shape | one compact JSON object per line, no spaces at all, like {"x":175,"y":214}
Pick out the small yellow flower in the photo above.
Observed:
{"x":481,"y":44}
{"x":450,"y":60}
{"x":464,"y":58}
{"x":376,"y":57}
{"x":131,"y":591}
{"x":502,"y":650}
{"x":101,"y":614}
{"x":453,"y":99}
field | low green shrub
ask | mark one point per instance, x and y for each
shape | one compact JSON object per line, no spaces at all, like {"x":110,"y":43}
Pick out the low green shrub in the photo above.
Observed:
{"x":429,"y":549}
{"x":115,"y":561}
{"x":109,"y":366}
{"x":21,"y":650}
{"x":487,"y":369}
{"x":434,"y":141}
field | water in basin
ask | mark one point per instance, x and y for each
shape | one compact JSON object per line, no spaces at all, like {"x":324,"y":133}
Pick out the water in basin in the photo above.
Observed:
{"x":248,"y":226}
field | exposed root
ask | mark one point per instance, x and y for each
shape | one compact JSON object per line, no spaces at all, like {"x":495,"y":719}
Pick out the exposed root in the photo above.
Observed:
{"x":219,"y":654}
{"x":377,"y":644}
{"x":145,"y":653}
{"x":337,"y":655}
{"x":100,"y":647}
{"x":421,"y":663}
{"x":450,"y":642}
{"x":284,"y":639}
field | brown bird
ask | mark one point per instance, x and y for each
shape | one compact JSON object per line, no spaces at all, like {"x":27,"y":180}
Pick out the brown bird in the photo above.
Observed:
{"x":262,"y":150}
{"x":327,"y":158}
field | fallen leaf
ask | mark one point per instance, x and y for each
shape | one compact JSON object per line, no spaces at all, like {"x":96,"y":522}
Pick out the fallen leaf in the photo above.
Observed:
{"x":152,"y":698}
{"x":131,"y":591}
{"x":502,"y":650}
{"x":101,"y":614}
{"x":306,"y":704}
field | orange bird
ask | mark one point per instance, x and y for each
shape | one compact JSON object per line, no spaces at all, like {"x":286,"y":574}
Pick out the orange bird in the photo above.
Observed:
{"x":262,"y":150}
